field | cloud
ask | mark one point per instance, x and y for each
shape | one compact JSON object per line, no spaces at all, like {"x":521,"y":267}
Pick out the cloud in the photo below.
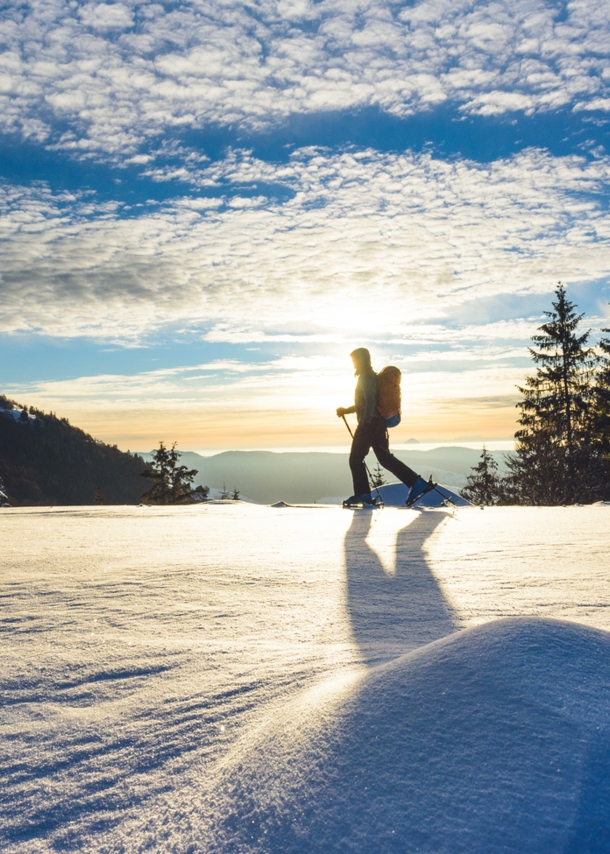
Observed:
{"x":106,"y":16}
{"x":368,"y":244}
{"x":289,"y":401}
{"x":113,"y":75}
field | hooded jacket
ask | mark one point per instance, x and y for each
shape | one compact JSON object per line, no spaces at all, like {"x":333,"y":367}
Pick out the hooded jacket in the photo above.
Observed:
{"x":365,"y":396}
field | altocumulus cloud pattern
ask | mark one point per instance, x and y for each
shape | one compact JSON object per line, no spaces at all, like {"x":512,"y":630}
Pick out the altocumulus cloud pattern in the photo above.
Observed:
{"x":244,"y":182}
{"x":353,"y":221}
{"x":115,"y":74}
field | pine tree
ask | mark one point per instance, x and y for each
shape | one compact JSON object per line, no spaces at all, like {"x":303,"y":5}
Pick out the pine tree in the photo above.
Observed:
{"x":602,"y":415}
{"x":554,"y":460}
{"x":171,"y":482}
{"x":377,"y":477}
{"x":225,"y":494}
{"x":3,"y":496}
{"x":235,"y":494}
{"x":484,"y":485}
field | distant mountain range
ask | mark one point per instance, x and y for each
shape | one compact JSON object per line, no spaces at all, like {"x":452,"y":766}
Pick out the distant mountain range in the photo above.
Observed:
{"x":267,"y":476}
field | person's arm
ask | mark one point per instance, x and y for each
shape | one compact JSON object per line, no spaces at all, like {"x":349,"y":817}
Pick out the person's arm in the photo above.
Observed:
{"x":341,"y":411}
{"x":369,"y":390}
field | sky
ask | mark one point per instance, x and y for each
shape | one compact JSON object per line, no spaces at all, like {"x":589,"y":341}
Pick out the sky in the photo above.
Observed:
{"x":206,"y":206}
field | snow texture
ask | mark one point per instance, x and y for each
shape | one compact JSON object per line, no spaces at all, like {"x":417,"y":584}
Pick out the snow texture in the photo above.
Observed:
{"x":236,"y":678}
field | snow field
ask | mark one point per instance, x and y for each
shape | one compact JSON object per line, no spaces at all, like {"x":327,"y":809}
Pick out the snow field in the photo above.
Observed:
{"x":237,"y":677}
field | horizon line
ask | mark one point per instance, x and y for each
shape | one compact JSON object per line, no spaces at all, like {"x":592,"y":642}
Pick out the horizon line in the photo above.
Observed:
{"x":491,"y":445}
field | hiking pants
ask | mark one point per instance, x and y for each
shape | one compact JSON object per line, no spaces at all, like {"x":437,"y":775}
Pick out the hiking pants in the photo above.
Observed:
{"x":375,"y":435}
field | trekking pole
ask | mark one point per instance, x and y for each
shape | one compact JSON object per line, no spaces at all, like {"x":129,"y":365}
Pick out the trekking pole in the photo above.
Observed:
{"x":446,"y":497}
{"x":347,"y":425}
{"x":370,"y":476}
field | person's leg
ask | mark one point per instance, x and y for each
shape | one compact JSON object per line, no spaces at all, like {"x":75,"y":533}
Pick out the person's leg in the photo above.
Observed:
{"x":361,"y":445}
{"x":381,"y":449}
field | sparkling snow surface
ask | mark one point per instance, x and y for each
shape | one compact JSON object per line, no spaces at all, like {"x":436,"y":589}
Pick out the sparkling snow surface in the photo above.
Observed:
{"x":237,"y":678}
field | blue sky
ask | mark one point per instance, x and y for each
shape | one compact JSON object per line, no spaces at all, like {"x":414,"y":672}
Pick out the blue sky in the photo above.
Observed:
{"x":206,"y":206}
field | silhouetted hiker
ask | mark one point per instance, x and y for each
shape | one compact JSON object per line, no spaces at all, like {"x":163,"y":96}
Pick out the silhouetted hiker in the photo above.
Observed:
{"x":372,"y":432}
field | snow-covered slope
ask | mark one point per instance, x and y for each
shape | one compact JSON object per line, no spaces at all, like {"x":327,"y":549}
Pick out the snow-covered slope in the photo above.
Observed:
{"x":491,"y":740}
{"x":17,"y":414}
{"x":234,"y":677}
{"x":395,"y":495}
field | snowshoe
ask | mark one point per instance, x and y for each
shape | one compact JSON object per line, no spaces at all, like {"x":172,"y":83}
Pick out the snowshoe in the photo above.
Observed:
{"x":360,"y":501}
{"x":419,"y":489}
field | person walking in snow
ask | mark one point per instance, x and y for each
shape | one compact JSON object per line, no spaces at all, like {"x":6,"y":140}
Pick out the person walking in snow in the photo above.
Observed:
{"x":372,"y":432}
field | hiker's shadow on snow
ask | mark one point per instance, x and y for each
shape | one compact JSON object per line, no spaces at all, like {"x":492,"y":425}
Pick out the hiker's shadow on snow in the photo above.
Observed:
{"x":393,"y":613}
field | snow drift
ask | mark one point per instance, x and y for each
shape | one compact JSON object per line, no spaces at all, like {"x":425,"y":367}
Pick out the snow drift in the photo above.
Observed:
{"x":395,"y":495}
{"x":494,"y":739}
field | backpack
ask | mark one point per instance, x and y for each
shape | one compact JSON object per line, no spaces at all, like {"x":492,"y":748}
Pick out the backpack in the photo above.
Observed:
{"x":388,"y":395}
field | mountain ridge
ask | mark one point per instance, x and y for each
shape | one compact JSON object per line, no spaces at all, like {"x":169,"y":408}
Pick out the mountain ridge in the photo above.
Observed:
{"x":44,"y":460}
